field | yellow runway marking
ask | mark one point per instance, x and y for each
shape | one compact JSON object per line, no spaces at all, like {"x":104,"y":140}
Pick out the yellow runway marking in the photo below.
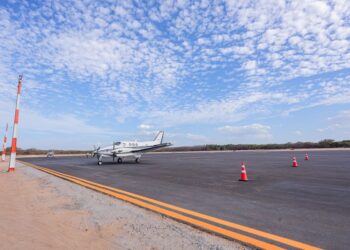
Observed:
{"x":137,"y":200}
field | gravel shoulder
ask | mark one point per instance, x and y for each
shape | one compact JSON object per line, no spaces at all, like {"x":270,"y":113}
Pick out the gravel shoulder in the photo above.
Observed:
{"x":40,"y":211}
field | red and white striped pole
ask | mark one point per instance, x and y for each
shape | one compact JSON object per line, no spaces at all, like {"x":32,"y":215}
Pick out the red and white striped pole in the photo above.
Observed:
{"x":3,"y":155}
{"x":14,"y":135}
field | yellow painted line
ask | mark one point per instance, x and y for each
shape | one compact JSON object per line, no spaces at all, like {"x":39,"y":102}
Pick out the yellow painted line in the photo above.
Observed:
{"x":171,"y":214}
{"x":256,"y":232}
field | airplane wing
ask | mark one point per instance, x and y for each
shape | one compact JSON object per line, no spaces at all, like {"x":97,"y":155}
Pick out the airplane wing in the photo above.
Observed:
{"x":151,"y":148}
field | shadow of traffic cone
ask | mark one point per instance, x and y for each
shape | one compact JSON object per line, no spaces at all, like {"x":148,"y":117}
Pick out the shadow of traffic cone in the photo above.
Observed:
{"x":244,"y":176}
{"x":306,"y":157}
{"x":295,"y":163}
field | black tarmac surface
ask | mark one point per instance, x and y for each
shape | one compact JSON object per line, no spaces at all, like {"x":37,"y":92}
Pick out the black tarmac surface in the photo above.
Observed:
{"x":310,"y":203}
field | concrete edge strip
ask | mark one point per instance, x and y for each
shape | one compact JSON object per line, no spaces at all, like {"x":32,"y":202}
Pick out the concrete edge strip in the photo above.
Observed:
{"x":132,"y":198}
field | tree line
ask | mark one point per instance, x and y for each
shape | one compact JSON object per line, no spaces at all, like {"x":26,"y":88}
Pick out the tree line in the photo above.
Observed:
{"x":327,"y":143}
{"x":34,"y":151}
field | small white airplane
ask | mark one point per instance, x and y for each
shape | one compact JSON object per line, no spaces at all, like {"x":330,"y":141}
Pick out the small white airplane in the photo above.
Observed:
{"x":133,"y":149}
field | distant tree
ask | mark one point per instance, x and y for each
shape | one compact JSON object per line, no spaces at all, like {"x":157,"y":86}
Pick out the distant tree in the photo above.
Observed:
{"x":326,"y":143}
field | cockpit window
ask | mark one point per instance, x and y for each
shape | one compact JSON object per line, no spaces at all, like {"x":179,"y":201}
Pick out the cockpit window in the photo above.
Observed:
{"x":117,"y":143}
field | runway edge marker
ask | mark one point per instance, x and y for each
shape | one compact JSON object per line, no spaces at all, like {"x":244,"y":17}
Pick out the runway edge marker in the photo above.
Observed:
{"x":12,"y":163}
{"x":3,"y":155}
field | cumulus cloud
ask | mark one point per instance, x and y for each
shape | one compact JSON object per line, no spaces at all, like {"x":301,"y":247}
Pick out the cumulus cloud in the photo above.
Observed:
{"x":176,"y":62}
{"x":250,"y":65}
{"x":232,"y":109}
{"x":145,"y":126}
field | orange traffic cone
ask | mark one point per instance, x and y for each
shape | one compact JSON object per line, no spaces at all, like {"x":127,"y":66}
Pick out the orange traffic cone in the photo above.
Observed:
{"x":295,"y":163}
{"x":244,"y":176}
{"x":306,"y":157}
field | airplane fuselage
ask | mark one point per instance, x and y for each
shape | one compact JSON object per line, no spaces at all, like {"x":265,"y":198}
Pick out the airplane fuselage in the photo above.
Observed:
{"x":127,"y":147}
{"x":133,"y":149}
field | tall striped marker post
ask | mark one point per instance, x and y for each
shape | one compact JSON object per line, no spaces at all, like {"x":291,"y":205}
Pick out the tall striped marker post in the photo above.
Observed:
{"x":15,"y":124}
{"x":3,"y":155}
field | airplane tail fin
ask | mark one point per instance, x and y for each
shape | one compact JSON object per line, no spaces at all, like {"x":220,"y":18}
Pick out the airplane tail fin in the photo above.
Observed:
{"x":159,"y":137}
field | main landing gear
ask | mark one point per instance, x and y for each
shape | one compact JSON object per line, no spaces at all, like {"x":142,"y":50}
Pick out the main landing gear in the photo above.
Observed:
{"x":119,"y":160}
{"x":99,"y":157}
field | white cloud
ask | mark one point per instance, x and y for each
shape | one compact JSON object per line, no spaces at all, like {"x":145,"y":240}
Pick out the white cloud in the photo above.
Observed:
{"x":64,"y":123}
{"x":250,"y":65}
{"x":318,"y":7}
{"x":341,"y":121}
{"x":196,"y":137}
{"x":298,"y":132}
{"x":256,"y":130}
{"x":231,"y":109}
{"x":180,"y":139}
{"x":175,"y":62}
{"x":337,"y":127}
{"x":145,"y":126}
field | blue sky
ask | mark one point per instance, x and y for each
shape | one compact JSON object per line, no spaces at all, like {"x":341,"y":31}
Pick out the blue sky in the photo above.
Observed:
{"x":203,"y":71}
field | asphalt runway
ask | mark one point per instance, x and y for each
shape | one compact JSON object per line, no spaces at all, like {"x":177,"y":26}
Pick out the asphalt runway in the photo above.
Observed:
{"x":310,"y":203}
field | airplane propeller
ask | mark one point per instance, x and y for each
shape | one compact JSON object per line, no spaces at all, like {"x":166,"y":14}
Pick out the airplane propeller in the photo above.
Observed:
{"x":95,"y":151}
{"x":113,"y":151}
